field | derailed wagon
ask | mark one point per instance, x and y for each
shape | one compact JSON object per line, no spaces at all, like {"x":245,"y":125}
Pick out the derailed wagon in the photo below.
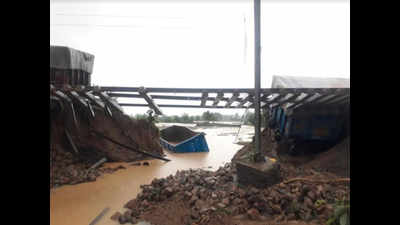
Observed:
{"x":314,"y":126}
{"x":180,"y":139}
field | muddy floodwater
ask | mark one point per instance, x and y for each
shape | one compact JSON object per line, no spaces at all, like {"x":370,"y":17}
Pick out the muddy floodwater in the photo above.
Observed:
{"x":81,"y":203}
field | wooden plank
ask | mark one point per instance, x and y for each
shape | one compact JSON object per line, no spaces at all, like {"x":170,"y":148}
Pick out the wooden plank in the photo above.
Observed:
{"x":324,"y":101}
{"x":204,"y":96}
{"x":325,"y":98}
{"x":99,"y":216}
{"x":264,"y":98}
{"x":71,"y":106}
{"x":330,"y":95}
{"x":150,"y":101}
{"x":337,"y":99}
{"x":93,"y":99}
{"x":311,"y":100}
{"x":110,"y":102}
{"x":252,"y":105}
{"x":276,"y":99}
{"x":62,"y":96}
{"x":177,"y":90}
{"x":168,"y":97}
{"x":108,"y":111}
{"x":97,"y":164}
{"x":244,"y":101}
{"x":218,"y":98}
{"x":183,"y":106}
{"x":55,"y":98}
{"x":90,"y":109}
{"x":217,"y":90}
{"x":232,"y":99}
{"x":288,"y":99}
{"x":123,"y":95}
{"x":308,"y":96}
{"x":70,"y":141}
{"x":74,"y":95}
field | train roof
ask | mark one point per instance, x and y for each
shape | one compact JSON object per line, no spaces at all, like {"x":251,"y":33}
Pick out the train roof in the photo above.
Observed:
{"x":66,"y":58}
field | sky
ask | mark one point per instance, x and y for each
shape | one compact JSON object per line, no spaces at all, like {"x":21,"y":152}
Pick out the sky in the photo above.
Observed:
{"x":203,"y":44}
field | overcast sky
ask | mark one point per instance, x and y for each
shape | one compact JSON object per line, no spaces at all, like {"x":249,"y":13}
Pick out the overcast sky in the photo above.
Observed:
{"x":203,"y":44}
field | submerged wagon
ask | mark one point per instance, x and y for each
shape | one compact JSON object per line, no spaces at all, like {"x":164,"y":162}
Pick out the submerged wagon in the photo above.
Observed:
{"x":181,"y":140}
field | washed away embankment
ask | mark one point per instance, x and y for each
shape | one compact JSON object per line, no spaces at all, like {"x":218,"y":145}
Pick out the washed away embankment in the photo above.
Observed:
{"x":76,"y":148}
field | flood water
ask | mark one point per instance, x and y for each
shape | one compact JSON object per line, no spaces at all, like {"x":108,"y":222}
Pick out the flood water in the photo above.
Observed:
{"x":81,"y":203}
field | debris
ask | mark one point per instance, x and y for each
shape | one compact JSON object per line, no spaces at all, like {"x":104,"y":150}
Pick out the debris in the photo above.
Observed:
{"x":253,"y":214}
{"x":105,"y":210}
{"x":203,"y":196}
{"x":116,"y":216}
{"x":69,"y":138}
{"x":101,"y":161}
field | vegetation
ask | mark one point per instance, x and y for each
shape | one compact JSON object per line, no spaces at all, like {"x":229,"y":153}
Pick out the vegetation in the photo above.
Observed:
{"x":341,"y":215}
{"x":206,"y":116}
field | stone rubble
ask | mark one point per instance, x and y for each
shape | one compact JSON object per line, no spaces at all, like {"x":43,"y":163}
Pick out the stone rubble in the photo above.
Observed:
{"x":208,"y":194}
{"x":66,"y":168}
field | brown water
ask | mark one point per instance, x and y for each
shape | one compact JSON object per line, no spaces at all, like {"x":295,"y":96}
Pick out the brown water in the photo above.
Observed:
{"x":80,"y":204}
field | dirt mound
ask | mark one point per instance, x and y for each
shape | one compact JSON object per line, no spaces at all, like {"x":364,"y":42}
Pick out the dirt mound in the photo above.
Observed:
{"x":336,"y":160}
{"x":204,"y":197}
{"x":177,"y":134}
{"x":75,"y":148}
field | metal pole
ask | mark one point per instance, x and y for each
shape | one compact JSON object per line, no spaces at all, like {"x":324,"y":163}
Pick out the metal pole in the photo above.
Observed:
{"x":257,"y":70}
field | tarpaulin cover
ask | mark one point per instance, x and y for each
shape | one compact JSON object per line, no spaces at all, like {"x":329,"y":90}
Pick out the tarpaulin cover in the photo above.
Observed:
{"x":70,"y":59}
{"x":309,"y":82}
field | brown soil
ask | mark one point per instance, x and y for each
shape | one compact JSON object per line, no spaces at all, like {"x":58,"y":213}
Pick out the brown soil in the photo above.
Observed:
{"x":336,"y":160}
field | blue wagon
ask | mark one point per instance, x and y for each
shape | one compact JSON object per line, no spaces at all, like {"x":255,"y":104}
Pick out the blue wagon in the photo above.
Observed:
{"x":181,"y":140}
{"x":308,"y":124}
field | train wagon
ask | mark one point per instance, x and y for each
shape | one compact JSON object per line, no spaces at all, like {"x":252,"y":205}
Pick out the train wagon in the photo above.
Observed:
{"x":316,"y":123}
{"x":180,"y":139}
{"x":70,"y":66}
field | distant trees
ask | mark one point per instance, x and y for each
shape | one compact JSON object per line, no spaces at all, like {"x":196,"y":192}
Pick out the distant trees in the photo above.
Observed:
{"x":206,"y":116}
{"x":250,"y":118}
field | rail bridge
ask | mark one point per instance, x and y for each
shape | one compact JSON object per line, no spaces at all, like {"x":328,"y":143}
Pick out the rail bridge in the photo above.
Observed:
{"x":231,"y":98}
